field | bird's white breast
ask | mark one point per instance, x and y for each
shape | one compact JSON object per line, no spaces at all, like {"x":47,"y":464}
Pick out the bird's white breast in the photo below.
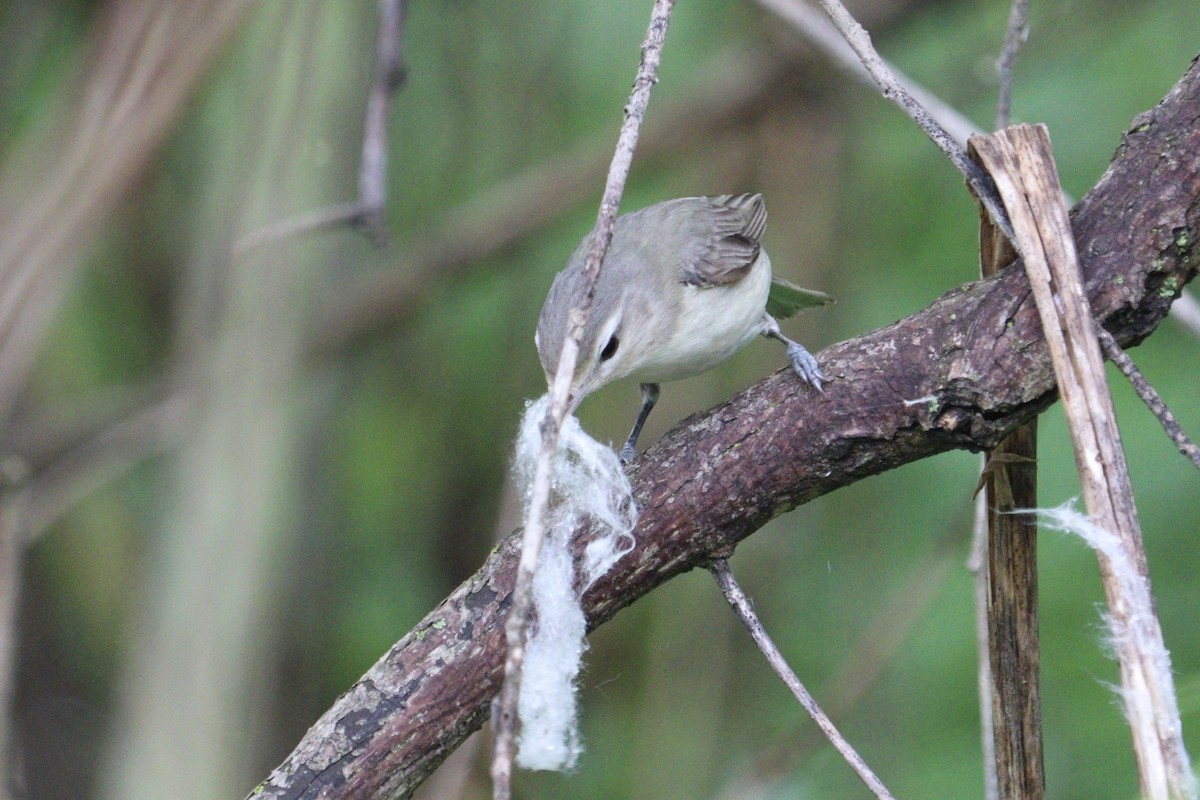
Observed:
{"x":713,"y":323}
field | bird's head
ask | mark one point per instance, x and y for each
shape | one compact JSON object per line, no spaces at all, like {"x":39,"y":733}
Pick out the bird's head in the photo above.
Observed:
{"x":604,"y":355}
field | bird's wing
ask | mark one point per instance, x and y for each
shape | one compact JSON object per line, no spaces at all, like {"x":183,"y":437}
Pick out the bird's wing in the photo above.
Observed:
{"x":722,"y":241}
{"x":786,"y":298}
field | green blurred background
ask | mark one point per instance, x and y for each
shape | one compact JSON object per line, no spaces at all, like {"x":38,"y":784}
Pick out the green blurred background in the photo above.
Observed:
{"x":245,"y":473}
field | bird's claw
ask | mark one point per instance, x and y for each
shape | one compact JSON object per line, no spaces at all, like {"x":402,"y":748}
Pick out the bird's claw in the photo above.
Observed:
{"x":627,"y":454}
{"x":805,"y":365}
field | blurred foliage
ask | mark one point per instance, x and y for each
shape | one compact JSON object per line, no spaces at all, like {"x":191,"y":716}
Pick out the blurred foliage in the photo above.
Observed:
{"x":395,"y":487}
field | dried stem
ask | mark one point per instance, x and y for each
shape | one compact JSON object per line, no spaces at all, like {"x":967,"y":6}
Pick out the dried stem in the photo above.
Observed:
{"x":1009,"y":597}
{"x":741,"y":606}
{"x":1012,"y":605}
{"x":1018,"y":31}
{"x":977,"y":566}
{"x":1021,"y":163}
{"x":860,"y":41}
{"x":1150,"y":397}
{"x":389,"y":76}
{"x":535,"y":523}
{"x":368,"y":210}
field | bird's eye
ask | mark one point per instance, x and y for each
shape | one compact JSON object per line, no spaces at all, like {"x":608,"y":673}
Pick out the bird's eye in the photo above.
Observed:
{"x":610,"y":349}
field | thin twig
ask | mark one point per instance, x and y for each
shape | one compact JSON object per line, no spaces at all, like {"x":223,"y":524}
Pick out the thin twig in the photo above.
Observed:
{"x":367,"y":211}
{"x":977,"y":566}
{"x":875,"y":647}
{"x":515,"y":628}
{"x":83,"y":460}
{"x":1018,"y":31}
{"x":1114,"y":353}
{"x":858,"y":39}
{"x":389,"y":76}
{"x":741,"y":606}
{"x":818,"y":31}
{"x":335,"y":216}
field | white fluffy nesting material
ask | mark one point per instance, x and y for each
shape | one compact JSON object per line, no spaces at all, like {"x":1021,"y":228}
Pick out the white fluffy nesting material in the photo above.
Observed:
{"x":1138,"y":630}
{"x":589,"y":487}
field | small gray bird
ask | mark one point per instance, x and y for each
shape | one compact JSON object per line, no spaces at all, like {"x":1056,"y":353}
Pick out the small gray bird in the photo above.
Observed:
{"x":685,"y":285}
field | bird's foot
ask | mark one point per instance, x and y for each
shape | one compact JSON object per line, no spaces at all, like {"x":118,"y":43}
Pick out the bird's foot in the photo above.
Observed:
{"x":627,"y":454}
{"x":805,"y":365}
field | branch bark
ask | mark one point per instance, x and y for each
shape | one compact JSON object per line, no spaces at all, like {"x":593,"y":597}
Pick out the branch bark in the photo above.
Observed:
{"x":962,"y":373}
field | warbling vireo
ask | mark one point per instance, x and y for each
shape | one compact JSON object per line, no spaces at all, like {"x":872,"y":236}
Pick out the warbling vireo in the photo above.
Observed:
{"x":685,"y":285}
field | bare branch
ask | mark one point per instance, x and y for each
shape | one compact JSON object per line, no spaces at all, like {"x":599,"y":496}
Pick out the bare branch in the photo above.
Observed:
{"x":1149,"y":396}
{"x":897,"y":614}
{"x":1018,"y":31}
{"x":818,"y":31}
{"x":535,"y":521}
{"x":858,"y":39}
{"x":368,"y":210}
{"x":389,"y":76}
{"x":741,"y":606}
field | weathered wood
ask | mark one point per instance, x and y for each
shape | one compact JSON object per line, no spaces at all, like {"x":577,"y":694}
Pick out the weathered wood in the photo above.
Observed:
{"x":1013,"y":616}
{"x":1010,"y":482}
{"x":1022,"y":164}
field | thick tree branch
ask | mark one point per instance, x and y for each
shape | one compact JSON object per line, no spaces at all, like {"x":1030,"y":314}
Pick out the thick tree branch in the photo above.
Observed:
{"x":962,"y":373}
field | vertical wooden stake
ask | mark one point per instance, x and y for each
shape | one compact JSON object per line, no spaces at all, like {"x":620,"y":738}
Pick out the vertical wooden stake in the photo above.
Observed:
{"x":1010,"y":479}
{"x":1021,"y":162}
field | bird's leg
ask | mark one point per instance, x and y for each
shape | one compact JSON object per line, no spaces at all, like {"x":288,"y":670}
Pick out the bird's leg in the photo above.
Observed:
{"x":802,"y":361}
{"x":649,"y":398}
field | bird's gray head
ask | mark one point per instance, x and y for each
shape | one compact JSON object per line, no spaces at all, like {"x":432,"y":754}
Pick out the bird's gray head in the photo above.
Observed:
{"x":655,"y":252}
{"x":603,"y":351}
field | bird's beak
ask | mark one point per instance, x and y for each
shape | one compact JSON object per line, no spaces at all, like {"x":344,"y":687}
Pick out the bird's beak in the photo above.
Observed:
{"x":579,"y":391}
{"x":574,"y":398}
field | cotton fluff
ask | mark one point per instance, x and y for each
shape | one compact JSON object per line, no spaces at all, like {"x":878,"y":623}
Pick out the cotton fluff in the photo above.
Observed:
{"x":1068,"y":519}
{"x":1140,"y":626}
{"x":589,"y":487}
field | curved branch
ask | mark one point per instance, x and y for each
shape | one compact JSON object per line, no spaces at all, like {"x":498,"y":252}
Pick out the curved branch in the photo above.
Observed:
{"x":960,"y":374}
